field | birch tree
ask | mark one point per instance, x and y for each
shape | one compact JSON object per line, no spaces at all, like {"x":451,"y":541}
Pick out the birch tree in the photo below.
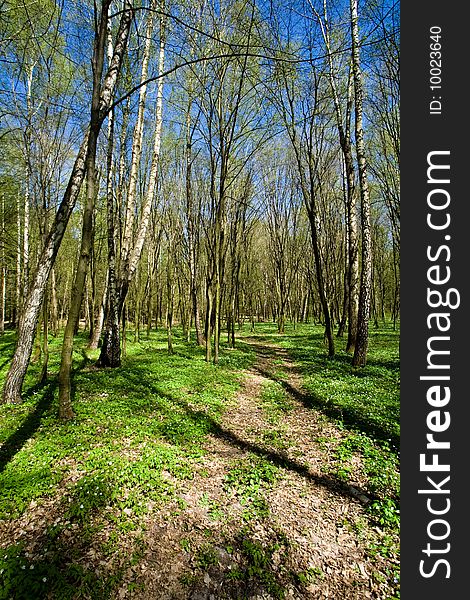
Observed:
{"x":131,"y":252}
{"x":343,"y":121}
{"x":29,"y":318}
{"x":360,"y":351}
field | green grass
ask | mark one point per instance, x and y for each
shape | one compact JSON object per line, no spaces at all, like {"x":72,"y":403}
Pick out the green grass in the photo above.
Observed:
{"x":276,"y":401}
{"x":259,"y":566}
{"x":365,"y":399}
{"x":249,"y":479}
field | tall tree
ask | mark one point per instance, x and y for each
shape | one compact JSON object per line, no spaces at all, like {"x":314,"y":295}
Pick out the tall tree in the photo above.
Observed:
{"x":29,"y":318}
{"x":78,"y":286}
{"x":343,"y":120}
{"x":132,"y":249}
{"x":362,"y":341}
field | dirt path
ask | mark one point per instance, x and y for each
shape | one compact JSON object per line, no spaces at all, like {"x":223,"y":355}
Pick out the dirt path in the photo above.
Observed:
{"x":279,"y":526}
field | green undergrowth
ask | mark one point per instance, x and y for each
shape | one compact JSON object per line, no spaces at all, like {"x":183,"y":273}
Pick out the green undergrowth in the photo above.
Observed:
{"x":275,"y":401}
{"x":138,"y":430}
{"x":257,"y":565}
{"x":248,"y":479}
{"x":244,"y":566}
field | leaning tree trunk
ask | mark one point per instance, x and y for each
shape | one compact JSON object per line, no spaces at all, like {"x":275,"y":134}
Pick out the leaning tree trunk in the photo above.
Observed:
{"x":29,"y":318}
{"x":360,"y":351}
{"x":32,"y":304}
{"x":65,"y":405}
{"x":110,"y":355}
{"x":86,"y":247}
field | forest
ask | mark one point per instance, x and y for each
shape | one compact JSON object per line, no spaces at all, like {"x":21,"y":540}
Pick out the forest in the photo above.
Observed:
{"x":199,"y":299}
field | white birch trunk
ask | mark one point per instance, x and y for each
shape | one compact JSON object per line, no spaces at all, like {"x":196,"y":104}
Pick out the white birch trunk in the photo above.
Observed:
{"x":360,"y":351}
{"x":137,"y":143}
{"x":131,"y":264}
{"x":33,"y":300}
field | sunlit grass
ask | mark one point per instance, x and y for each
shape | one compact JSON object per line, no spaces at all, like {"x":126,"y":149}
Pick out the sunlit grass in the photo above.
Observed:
{"x":131,"y":425}
{"x":140,"y":429}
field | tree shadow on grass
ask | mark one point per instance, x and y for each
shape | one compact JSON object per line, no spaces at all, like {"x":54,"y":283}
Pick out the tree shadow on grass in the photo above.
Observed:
{"x":5,"y":362}
{"x":261,"y":569}
{"x":56,"y":557}
{"x":30,"y":425}
{"x":7,"y":344}
{"x":210,"y":425}
{"x":351,"y":417}
{"x":311,"y":361}
{"x":69,"y":566}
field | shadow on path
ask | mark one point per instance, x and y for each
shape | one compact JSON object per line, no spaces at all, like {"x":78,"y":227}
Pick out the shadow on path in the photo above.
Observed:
{"x":278,"y":458}
{"x":350,"y":416}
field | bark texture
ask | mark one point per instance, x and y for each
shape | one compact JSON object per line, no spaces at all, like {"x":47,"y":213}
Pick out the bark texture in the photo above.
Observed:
{"x":360,"y":351}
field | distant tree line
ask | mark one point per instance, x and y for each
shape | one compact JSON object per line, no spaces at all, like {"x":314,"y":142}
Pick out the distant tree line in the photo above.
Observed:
{"x":166,"y":163}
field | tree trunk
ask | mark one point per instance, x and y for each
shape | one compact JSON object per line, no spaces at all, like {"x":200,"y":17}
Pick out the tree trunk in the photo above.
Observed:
{"x":360,"y":351}
{"x":110,"y":355}
{"x":137,"y":143}
{"x":45,"y":341}
{"x":98,"y":326}
{"x":321,"y":287}
{"x":124,"y":331}
{"x":28,"y":321}
{"x":132,"y":255}
{"x":86,"y":247}
{"x":192,"y":233}
{"x":3,"y":270}
{"x":343,"y":124}
{"x":130,"y":264}
{"x":169,"y":314}
{"x":18,"y":294}
{"x":208,"y":321}
{"x":2,"y":297}
{"x":54,"y":307}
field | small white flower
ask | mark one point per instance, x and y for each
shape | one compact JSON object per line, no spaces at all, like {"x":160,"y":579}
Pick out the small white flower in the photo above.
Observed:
{"x":81,"y":505}
{"x":23,"y":567}
{"x":31,"y":567}
{"x":44,"y":579}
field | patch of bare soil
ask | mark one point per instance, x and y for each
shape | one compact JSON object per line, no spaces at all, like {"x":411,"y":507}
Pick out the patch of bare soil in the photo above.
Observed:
{"x":310,"y":543}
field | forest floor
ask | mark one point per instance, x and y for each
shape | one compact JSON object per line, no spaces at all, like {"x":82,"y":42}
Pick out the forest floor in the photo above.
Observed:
{"x":286,"y":525}
{"x":273,"y":504}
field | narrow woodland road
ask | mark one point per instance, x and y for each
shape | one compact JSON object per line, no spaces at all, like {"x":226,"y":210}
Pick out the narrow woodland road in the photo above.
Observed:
{"x":262,"y":518}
